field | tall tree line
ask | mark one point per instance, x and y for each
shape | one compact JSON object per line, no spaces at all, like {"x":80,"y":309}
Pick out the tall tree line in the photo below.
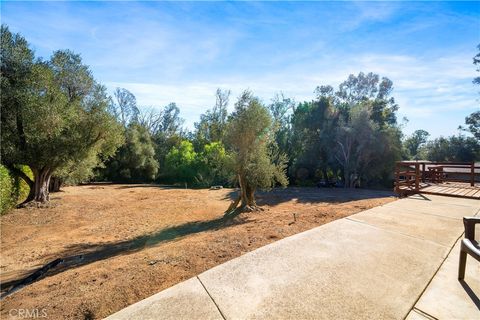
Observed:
{"x":58,"y":121}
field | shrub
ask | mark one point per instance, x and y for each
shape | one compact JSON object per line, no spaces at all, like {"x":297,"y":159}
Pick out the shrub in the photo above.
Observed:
{"x":6,"y":186}
{"x":13,"y":189}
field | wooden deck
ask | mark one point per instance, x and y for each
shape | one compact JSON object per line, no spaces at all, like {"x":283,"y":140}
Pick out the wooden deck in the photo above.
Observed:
{"x":453,"y":179}
{"x":452,"y":189}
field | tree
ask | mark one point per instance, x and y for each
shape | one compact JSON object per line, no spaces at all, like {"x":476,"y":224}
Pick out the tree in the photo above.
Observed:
{"x":180,"y":162}
{"x":415,"y":141}
{"x":76,"y":171}
{"x":281,"y":110}
{"x":369,"y":87}
{"x":314,"y":126}
{"x":248,"y":137}
{"x":213,"y":165}
{"x":473,"y":120}
{"x":213,"y":124}
{"x":476,"y":61}
{"x":455,"y":148}
{"x":345,"y":133}
{"x":13,"y":189}
{"x":17,"y":61}
{"x":169,"y":134}
{"x":135,"y":160}
{"x":171,"y":122}
{"x":125,"y":106}
{"x":52,"y":112}
{"x":355,"y":141}
{"x":151,"y":118}
{"x":473,"y":123}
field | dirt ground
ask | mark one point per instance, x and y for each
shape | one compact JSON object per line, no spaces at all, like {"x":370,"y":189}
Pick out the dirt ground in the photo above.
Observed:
{"x":119,"y":244}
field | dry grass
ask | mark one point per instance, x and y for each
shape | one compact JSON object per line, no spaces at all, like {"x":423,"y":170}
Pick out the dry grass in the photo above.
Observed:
{"x":123,"y":243}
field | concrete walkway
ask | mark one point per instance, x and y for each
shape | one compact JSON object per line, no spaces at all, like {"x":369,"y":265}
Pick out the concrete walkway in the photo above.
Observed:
{"x":391,"y":262}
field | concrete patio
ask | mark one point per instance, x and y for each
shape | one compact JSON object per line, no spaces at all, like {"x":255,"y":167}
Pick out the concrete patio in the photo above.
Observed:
{"x":396,"y":261}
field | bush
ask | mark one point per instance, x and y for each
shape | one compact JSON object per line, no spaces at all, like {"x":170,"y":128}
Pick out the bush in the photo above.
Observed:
{"x":13,"y":189}
{"x":180,"y":162}
{"x":6,"y":186}
{"x":213,"y":166}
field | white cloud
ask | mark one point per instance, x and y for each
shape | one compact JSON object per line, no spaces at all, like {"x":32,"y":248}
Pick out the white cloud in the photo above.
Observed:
{"x":426,"y":89}
{"x":182,"y":52}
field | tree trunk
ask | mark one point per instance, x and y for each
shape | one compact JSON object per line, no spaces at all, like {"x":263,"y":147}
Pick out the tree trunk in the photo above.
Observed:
{"x":42,"y":181}
{"x":55,"y":184}
{"x":246,"y":200}
{"x":325,"y":177}
{"x":346,"y":177}
{"x":243,"y":191}
{"x":250,"y":192}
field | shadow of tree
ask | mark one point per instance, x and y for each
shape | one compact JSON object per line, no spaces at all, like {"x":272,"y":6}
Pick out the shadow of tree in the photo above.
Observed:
{"x":82,"y":254}
{"x":143,"y":185}
{"x":77,"y":255}
{"x":312,"y":195}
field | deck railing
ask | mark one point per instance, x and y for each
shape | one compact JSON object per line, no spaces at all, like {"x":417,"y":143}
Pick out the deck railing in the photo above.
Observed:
{"x":410,"y":175}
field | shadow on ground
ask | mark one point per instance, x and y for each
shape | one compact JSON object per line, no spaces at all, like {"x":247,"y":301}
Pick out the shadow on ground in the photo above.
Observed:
{"x":158,"y":186}
{"x":78,"y":255}
{"x":82,"y":254}
{"x":313,"y":195}
{"x":470,"y":293}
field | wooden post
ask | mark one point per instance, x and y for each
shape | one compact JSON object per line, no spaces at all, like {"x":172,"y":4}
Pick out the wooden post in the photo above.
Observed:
{"x":417,"y":177}
{"x":423,"y":172}
{"x":397,"y":179}
{"x":472,"y":174}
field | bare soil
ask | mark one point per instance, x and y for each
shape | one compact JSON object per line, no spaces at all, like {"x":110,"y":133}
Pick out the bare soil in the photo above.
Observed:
{"x":119,"y":244}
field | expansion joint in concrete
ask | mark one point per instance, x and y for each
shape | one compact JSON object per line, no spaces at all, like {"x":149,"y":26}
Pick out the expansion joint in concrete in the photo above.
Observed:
{"x":433,"y":276}
{"x":424,"y":314}
{"x":215,"y":303}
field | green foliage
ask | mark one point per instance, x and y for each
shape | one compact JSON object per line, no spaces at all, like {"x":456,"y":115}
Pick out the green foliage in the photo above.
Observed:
{"x":180,"y":162}
{"x":455,"y":148}
{"x":6,"y":190}
{"x":388,"y":150}
{"x":13,"y":189}
{"x":249,"y":136}
{"x":21,"y":187}
{"x":57,"y":120}
{"x":210,"y":166}
{"x":167,"y":132}
{"x":213,"y":165}
{"x":135,"y":160}
{"x":473,"y":123}
{"x":355,"y":144}
{"x":53,"y":112}
{"x":281,"y":110}
{"x":74,"y":171}
{"x":349,"y":134}
{"x":414,"y":142}
{"x":368,"y":87}
{"x":314,"y":124}
{"x":213,"y":124}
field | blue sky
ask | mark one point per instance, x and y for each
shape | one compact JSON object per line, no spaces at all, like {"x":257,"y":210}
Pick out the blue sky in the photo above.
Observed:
{"x":182,"y":51}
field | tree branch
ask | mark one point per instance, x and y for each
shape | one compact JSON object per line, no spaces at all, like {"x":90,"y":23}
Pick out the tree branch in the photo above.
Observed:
{"x":21,"y":174}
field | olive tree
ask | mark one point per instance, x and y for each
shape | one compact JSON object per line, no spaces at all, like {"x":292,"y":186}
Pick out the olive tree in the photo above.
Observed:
{"x":53,"y":112}
{"x":249,"y":136}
